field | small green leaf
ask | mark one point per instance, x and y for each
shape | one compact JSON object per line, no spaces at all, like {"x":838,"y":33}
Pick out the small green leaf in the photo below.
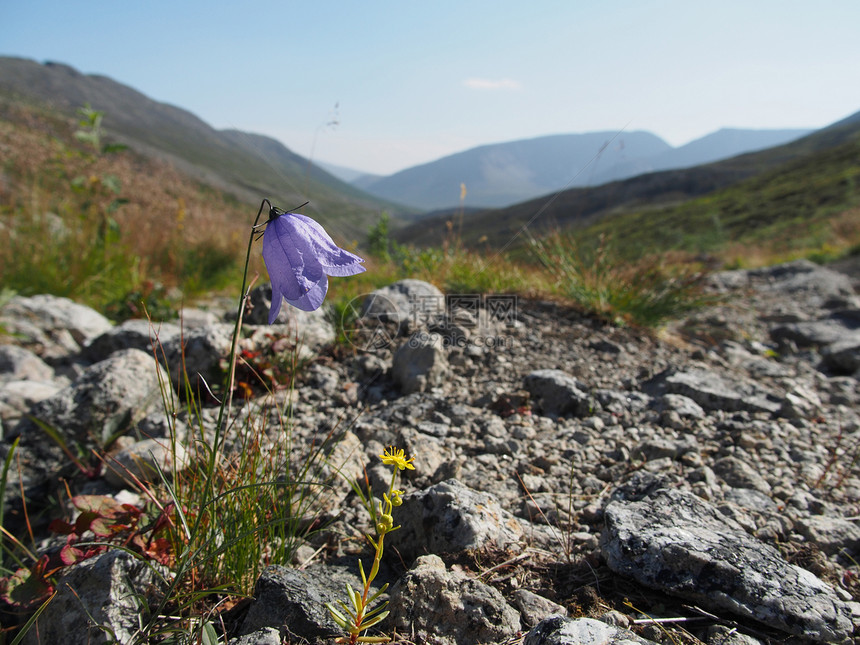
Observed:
{"x":378,"y":593}
{"x":370,"y":622}
{"x":355,"y":598}
{"x":339,"y":618}
{"x":208,"y":634}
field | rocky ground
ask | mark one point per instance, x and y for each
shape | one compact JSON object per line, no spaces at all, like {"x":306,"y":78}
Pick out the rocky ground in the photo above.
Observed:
{"x":574,"y":482}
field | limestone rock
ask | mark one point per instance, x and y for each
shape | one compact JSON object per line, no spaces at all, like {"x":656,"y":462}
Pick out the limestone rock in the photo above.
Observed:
{"x":108,"y":591}
{"x":141,"y":458}
{"x":440,"y":607}
{"x":534,"y":608}
{"x":18,"y":397}
{"x":712,"y":392}
{"x":405,"y":301}
{"x":105,"y":399}
{"x":420,"y":363}
{"x":558,"y":630}
{"x":450,"y":518}
{"x":19,"y":364}
{"x":843,"y":356}
{"x":557,"y":393}
{"x":44,"y":318}
{"x":201,"y":351}
{"x":263,"y":636}
{"x":833,"y":535}
{"x":815,"y":333}
{"x":739,"y":474}
{"x":131,"y":334}
{"x":293,"y":601}
{"x":673,"y":541}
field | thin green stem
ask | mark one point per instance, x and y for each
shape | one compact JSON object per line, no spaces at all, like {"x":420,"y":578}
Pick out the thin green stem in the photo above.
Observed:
{"x":209,"y":493}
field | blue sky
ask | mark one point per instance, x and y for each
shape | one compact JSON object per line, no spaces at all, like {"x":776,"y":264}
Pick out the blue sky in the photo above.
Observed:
{"x":413,"y":82}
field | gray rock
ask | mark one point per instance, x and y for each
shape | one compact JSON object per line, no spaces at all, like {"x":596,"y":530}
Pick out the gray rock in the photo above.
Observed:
{"x":805,"y":277}
{"x":450,"y":518}
{"x":815,"y":333}
{"x":751,"y":499}
{"x":558,"y":630}
{"x":724,"y":281}
{"x":344,"y":461}
{"x":205,"y":350}
{"x":660,"y":447}
{"x":714,"y":393}
{"x":311,"y":329}
{"x":440,"y":607}
{"x":19,"y":364}
{"x":112,"y":592}
{"x":833,"y":535}
{"x":105,"y":399}
{"x":683,"y":405}
{"x":557,"y":393}
{"x":843,"y":356}
{"x":534,"y":608}
{"x":800,"y":403}
{"x":49,"y":315}
{"x":622,"y":403}
{"x":294,"y":602}
{"x":131,"y":334}
{"x":739,"y":474}
{"x":420,"y":363}
{"x":673,"y":541}
{"x":192,"y":317}
{"x":18,"y":397}
{"x":406,"y":301}
{"x":722,"y":635}
{"x":615,"y":618}
{"x":264,"y":636}
{"x":144,"y":459}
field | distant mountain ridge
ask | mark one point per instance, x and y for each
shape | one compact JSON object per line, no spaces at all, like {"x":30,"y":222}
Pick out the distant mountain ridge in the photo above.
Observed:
{"x":250,"y":166}
{"x":349,"y":175}
{"x":505,"y":173}
{"x":578,"y":207}
{"x":502,"y":174}
{"x":722,"y":144}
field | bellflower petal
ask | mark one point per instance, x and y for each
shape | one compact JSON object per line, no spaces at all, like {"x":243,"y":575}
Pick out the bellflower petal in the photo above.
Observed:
{"x":299,"y":257}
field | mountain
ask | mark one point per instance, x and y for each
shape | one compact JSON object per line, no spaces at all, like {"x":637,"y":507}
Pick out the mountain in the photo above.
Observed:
{"x":249,"y":166}
{"x":723,"y":144}
{"x":505,"y":173}
{"x":352,"y":176}
{"x":821,"y":168}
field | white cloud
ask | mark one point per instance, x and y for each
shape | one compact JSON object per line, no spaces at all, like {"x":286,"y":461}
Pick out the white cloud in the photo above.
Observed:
{"x":491,"y":84}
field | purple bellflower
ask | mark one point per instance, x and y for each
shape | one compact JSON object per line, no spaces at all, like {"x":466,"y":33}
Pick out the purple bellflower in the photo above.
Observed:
{"x":299,"y":257}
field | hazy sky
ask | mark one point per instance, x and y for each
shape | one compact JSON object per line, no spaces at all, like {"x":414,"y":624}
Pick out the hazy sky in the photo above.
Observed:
{"x":414,"y":81}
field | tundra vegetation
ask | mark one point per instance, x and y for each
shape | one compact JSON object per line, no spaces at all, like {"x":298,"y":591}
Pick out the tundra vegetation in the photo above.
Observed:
{"x":133,"y":238}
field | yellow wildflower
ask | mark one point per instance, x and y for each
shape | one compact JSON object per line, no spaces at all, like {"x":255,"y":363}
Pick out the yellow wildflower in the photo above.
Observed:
{"x":397,"y":457}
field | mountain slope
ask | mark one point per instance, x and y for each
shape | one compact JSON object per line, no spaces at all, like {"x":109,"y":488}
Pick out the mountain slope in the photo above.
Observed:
{"x":723,"y":144}
{"x":805,"y":157}
{"x":504,"y":173}
{"x":249,"y":166}
{"x":350,"y":175}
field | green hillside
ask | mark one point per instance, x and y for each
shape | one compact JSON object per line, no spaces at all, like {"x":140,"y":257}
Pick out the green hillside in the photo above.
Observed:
{"x":247,"y":166}
{"x":810,"y":203}
{"x":790,"y":192}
